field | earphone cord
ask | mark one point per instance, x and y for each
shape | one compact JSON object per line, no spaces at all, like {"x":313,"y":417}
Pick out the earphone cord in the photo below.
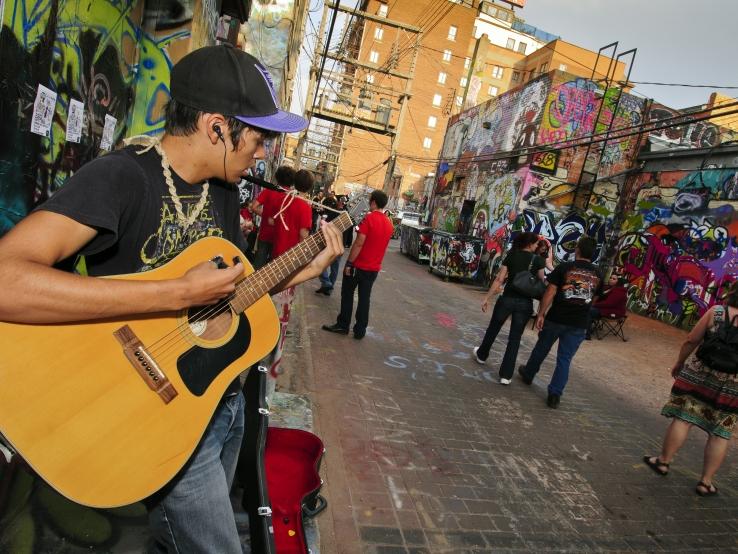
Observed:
{"x":225,"y":151}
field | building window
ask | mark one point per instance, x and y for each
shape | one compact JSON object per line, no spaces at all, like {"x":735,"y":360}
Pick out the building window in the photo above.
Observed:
{"x":382,"y":11}
{"x":467,"y":63}
{"x":522,"y":46}
{"x":511,"y":43}
{"x":432,"y":121}
{"x":427,"y":142}
{"x":492,"y":90}
{"x":447,"y":55}
{"x":497,"y":72}
{"x":370,"y":78}
{"x":452,"y":33}
{"x":437,"y":99}
{"x":562,"y":66}
{"x":459,"y":100}
{"x":544,"y":67}
{"x":374,"y":56}
{"x":516,"y":76}
{"x":442,"y":78}
{"x":378,"y":33}
{"x":463,"y":82}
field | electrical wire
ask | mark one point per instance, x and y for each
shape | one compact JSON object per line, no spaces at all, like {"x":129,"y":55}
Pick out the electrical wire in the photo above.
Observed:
{"x":613,"y":135}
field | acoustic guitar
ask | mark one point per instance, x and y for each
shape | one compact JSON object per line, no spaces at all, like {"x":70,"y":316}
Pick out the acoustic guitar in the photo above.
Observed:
{"x":108,"y":411}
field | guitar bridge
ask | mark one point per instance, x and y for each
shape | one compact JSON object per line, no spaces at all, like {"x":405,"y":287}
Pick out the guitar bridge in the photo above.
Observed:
{"x":144,"y":364}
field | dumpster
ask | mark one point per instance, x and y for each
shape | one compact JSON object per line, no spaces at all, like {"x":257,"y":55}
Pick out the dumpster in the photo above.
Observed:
{"x":415,"y":241}
{"x":455,"y":255}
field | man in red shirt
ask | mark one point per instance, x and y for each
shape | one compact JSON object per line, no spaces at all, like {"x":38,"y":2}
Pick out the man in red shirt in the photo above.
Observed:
{"x":266,"y":205}
{"x":362,"y":267}
{"x":294,"y":216}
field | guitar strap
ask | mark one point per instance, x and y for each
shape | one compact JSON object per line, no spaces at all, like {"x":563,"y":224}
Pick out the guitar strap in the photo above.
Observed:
{"x":5,"y":449}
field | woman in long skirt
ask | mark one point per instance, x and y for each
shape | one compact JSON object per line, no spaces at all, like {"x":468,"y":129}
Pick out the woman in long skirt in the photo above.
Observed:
{"x":701,"y":396}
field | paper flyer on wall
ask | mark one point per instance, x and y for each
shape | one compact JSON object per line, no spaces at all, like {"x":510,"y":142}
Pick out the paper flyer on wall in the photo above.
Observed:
{"x":74,"y":120}
{"x":108,"y":131}
{"x":43,"y":111}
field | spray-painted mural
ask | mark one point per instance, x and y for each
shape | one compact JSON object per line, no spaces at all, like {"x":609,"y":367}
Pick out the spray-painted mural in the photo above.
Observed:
{"x":678,"y":245}
{"x":93,"y":52}
{"x":535,"y":191}
{"x":268,"y":32}
{"x":672,"y":233}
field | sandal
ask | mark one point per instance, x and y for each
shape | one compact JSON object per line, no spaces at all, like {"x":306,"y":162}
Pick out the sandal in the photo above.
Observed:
{"x":657,"y":465}
{"x":706,"y":490}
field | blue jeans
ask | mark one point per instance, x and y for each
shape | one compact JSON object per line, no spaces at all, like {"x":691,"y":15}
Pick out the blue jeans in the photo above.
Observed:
{"x":328,"y":277}
{"x":520,"y":309}
{"x":569,"y":340}
{"x":194,"y":513}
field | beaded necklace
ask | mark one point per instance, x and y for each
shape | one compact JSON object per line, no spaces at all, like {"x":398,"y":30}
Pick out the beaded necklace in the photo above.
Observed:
{"x":151,"y":142}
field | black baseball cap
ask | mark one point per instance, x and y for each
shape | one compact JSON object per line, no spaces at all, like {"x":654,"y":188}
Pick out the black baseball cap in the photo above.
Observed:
{"x":224,"y":79}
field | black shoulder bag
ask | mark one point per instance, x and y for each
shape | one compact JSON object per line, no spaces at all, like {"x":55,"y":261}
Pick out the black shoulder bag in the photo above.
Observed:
{"x":528,"y":284}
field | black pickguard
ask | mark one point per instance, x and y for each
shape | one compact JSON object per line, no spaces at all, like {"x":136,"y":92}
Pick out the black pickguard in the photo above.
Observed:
{"x":199,"y":366}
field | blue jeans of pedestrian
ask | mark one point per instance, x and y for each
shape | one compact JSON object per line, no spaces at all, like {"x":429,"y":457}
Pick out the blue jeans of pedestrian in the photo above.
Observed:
{"x":194,"y":513}
{"x":520,"y":309}
{"x":329,"y":275}
{"x":569,"y":338}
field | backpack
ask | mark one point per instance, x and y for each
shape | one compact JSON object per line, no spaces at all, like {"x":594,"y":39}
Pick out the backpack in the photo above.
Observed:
{"x":719,"y":349}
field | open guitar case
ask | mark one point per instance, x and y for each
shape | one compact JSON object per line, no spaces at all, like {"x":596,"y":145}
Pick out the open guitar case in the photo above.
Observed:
{"x":278,"y":469}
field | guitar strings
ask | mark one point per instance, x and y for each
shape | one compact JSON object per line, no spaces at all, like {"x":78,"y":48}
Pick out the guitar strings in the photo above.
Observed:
{"x":174,"y":337}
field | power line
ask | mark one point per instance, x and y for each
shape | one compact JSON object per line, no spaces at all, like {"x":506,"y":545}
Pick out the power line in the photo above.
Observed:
{"x":607,"y":136}
{"x":682,"y":85}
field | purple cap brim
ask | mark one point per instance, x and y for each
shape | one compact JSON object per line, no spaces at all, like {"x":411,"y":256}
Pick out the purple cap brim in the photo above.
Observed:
{"x":282,"y":122}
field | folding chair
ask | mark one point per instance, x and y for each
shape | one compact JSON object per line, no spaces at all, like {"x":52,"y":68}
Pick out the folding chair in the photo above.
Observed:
{"x":610,"y":324}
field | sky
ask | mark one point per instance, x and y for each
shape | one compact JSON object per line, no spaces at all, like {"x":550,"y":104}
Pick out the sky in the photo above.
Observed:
{"x":678,"y":41}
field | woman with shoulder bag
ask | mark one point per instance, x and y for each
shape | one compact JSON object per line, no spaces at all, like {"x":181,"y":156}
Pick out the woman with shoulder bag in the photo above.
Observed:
{"x":521,"y":271}
{"x":702,"y":395}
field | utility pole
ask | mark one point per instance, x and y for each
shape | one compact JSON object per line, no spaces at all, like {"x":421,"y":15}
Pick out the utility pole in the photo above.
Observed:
{"x":404,"y":99}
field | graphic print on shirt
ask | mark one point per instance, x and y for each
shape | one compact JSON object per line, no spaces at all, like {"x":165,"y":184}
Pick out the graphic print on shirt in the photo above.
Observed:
{"x":579,"y":286}
{"x":171,"y":237}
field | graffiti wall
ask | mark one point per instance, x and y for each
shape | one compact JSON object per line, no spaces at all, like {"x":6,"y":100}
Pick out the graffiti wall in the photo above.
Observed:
{"x":671,"y":232}
{"x":534,"y":192}
{"x":679,"y":242}
{"x":112,"y":56}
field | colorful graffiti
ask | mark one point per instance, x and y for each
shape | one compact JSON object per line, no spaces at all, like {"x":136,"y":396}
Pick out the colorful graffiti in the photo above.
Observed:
{"x":679,"y":246}
{"x":97,"y":54}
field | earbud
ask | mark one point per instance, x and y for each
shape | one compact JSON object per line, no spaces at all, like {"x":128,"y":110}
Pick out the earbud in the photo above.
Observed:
{"x":218,"y":132}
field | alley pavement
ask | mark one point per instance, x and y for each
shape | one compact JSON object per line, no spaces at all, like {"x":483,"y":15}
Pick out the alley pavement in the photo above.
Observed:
{"x":427,"y":452}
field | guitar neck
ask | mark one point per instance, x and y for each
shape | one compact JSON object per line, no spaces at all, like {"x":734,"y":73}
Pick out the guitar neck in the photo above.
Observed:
{"x":259,"y":283}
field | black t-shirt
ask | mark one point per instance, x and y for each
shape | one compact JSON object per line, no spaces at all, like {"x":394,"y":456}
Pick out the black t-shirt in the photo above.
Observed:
{"x":124,"y":196}
{"x":330,"y":202}
{"x":578,"y":283}
{"x":517,"y":261}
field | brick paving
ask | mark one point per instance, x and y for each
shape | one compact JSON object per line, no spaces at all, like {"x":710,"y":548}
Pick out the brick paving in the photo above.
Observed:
{"x":426,"y":452}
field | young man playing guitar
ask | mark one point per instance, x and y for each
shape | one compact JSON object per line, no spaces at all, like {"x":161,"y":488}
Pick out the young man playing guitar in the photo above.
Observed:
{"x":134,"y":210}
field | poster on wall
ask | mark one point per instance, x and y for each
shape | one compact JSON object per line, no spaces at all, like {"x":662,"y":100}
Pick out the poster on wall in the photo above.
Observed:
{"x":107,"y":137}
{"x":43,"y":111}
{"x":74,"y":120}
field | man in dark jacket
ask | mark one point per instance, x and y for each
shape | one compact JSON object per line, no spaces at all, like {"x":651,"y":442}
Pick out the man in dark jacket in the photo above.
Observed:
{"x":573,"y":287}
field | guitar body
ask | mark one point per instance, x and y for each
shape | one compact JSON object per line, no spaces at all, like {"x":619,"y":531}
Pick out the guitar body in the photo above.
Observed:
{"x":87,"y":421}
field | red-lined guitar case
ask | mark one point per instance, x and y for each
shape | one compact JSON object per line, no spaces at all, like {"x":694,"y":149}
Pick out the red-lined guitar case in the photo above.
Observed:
{"x":292,"y":461}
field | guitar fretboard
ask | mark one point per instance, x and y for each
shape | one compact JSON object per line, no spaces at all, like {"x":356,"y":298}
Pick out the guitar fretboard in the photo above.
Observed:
{"x":259,"y":283}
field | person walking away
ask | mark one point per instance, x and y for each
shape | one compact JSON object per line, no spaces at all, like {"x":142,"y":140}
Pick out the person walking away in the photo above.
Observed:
{"x":362,"y":267}
{"x":564,"y":316}
{"x":137,"y":208}
{"x":511,"y":304}
{"x":266,"y":205}
{"x":705,"y":391}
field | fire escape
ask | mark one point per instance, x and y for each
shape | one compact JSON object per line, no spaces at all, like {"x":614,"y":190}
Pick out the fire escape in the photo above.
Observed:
{"x":352,"y":91}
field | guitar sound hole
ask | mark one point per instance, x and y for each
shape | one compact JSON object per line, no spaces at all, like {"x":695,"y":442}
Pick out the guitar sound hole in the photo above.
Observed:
{"x":209,"y":322}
